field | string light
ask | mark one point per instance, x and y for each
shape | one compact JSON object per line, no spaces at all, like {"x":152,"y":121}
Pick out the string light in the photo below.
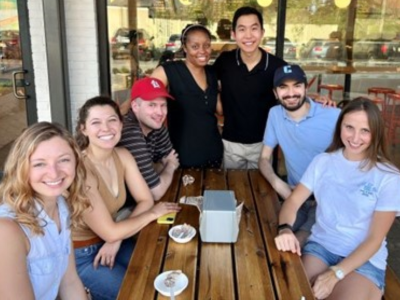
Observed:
{"x":264,"y":3}
{"x":342,"y":3}
{"x":185,"y":2}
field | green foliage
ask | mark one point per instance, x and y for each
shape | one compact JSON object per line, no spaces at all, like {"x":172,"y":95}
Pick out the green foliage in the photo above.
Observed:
{"x":124,"y":70}
{"x":5,"y":83}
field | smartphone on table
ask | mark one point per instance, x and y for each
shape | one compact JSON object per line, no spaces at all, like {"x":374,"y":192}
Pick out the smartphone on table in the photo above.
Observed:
{"x":167,"y":219}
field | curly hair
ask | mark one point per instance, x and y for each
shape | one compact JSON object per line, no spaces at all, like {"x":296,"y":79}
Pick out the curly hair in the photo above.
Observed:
{"x":81,"y":139}
{"x":16,"y":192}
{"x":377,"y":152}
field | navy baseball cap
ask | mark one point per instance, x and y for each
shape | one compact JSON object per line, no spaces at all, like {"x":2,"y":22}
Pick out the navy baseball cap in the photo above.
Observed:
{"x":294,"y":72}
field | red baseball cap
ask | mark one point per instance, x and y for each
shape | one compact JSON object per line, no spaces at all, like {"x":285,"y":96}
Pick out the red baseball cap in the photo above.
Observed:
{"x":148,"y":89}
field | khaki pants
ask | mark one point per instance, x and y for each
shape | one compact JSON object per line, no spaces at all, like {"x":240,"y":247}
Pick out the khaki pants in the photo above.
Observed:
{"x":241,"y":156}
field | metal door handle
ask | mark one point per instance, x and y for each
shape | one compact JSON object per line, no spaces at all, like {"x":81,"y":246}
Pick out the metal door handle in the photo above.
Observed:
{"x":15,"y":85}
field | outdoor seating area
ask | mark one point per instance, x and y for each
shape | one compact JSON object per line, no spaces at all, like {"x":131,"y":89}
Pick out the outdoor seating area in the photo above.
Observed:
{"x":200,"y":150}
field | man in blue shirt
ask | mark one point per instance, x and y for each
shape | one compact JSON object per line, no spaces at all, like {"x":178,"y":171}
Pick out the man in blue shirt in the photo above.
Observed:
{"x":302,"y":129}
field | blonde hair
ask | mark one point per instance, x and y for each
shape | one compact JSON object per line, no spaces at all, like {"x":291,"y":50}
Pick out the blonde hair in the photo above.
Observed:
{"x":16,"y":192}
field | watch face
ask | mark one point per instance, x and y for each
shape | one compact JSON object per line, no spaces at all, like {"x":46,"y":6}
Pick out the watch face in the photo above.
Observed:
{"x":339,"y":274}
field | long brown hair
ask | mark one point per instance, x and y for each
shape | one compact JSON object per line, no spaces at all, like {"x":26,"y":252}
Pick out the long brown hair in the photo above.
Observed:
{"x":377,"y":152}
{"x":81,"y":139}
{"x":16,"y":192}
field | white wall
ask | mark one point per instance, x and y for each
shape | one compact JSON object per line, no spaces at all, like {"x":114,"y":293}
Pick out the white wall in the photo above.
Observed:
{"x":82,"y":51}
{"x":39,"y":58}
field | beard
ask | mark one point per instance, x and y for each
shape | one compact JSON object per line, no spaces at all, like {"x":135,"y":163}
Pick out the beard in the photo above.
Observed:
{"x":292,"y":108}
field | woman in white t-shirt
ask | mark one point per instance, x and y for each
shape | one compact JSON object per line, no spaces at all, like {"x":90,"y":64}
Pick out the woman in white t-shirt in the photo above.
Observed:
{"x":356,"y":188}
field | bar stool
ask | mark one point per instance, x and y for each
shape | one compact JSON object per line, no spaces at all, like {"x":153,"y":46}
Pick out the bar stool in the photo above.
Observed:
{"x":393,"y":110}
{"x":380,"y":90}
{"x":380,"y":103}
{"x":383,"y":91}
{"x":331,"y":88}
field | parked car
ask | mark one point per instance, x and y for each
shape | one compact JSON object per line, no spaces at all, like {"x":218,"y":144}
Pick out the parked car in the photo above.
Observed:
{"x":370,"y":49}
{"x":289,"y":49}
{"x":10,"y":44}
{"x":120,"y":43}
{"x":324,"y":49}
{"x":392,"y":50}
{"x":174,"y":43}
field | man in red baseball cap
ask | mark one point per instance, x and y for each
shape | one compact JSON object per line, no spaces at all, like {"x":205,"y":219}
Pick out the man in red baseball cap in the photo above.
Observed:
{"x":146,"y":137}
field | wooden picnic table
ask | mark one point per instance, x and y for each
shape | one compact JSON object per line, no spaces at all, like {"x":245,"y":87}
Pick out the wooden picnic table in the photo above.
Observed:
{"x":251,"y":268}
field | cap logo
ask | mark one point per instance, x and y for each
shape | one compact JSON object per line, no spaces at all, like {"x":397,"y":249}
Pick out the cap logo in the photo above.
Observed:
{"x":287,"y":69}
{"x":155,"y":84}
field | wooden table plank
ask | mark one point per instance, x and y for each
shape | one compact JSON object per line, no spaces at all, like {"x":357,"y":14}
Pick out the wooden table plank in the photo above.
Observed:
{"x":184,"y":256}
{"x":216,"y":267}
{"x":148,"y":255}
{"x":287,"y":269}
{"x":253,"y":278}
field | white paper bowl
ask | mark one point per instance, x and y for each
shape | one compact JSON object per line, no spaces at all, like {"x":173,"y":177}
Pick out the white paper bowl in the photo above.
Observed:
{"x":181,"y":283}
{"x":175,"y":233}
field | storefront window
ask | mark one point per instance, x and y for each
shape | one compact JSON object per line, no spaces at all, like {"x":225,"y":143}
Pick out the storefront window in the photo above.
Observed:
{"x":144,"y":32}
{"x":353,"y":44}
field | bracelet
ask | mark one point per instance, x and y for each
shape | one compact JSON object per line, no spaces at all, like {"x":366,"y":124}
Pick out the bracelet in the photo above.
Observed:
{"x":284,"y":226}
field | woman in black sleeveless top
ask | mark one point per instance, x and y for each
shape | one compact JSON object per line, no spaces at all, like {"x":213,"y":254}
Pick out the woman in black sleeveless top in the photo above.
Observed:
{"x":192,"y":123}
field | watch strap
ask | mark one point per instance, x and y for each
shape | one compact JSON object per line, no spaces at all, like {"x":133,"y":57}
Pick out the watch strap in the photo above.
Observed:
{"x":285,"y":226}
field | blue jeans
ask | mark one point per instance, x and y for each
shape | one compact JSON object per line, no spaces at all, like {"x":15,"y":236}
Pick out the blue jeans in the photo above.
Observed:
{"x":104,"y":283}
{"x":368,"y":270}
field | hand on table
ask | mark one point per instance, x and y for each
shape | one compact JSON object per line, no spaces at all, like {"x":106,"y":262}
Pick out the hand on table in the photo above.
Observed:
{"x":163,"y":208}
{"x":287,"y":241}
{"x":106,"y":255}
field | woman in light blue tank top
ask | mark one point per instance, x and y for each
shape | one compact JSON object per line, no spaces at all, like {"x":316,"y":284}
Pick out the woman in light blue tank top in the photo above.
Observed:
{"x":41,"y":188}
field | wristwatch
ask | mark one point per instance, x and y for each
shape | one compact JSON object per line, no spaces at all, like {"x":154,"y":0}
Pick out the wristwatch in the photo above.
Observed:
{"x":284,"y":226}
{"x":338,"y":272}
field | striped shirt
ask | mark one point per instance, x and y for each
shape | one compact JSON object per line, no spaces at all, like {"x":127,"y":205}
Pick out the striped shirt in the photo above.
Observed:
{"x":145,"y":149}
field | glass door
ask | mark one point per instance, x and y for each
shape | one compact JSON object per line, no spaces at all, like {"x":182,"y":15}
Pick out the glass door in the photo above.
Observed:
{"x":13,"y":79}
